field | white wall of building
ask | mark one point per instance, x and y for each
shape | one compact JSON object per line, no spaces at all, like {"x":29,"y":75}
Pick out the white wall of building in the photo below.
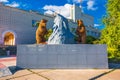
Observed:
{"x":20,"y":22}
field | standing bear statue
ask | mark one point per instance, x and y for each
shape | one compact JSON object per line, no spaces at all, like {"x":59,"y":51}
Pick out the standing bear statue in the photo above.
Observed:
{"x":41,"y":32}
{"x":81,"y":32}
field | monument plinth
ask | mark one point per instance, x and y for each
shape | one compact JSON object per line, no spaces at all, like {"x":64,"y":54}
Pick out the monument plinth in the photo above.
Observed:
{"x":65,"y":56}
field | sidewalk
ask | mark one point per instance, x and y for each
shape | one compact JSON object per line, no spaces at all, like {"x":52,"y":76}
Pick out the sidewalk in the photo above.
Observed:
{"x":59,"y":74}
{"x":7,"y":61}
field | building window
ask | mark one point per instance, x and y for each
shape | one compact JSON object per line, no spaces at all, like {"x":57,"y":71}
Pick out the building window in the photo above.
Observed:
{"x":88,"y":31}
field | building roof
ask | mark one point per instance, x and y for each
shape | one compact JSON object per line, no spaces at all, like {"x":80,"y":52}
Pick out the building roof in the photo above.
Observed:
{"x":28,"y":11}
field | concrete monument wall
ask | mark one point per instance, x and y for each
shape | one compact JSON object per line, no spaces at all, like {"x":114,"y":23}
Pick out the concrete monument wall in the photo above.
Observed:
{"x":70,"y":56}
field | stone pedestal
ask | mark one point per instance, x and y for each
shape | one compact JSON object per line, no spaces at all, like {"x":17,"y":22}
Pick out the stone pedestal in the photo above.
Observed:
{"x":66,"y":56}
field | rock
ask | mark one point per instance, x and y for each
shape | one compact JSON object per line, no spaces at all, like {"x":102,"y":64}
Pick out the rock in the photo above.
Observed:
{"x":61,"y":32}
{"x":5,"y":72}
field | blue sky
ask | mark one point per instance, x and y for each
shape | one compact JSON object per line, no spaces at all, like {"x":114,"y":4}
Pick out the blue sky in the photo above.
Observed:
{"x":95,"y":8}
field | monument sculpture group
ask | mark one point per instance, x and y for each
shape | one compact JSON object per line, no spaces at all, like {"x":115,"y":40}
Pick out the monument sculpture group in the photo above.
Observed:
{"x":61,"y":50}
{"x":61,"y":32}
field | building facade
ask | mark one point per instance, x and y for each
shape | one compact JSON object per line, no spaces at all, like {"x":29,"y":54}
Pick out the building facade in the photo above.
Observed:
{"x":16,"y":24}
{"x":76,"y":13}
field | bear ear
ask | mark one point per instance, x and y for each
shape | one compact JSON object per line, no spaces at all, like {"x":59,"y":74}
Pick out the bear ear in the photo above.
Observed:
{"x":44,"y":20}
{"x":77,"y":21}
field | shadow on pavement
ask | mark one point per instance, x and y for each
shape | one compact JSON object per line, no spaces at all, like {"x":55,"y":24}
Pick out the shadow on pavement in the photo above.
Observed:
{"x":14,"y":69}
{"x":96,"y":77}
{"x":112,"y":66}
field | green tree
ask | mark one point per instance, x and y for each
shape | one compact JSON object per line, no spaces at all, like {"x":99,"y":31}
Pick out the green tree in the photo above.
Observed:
{"x":111,"y":33}
{"x":48,"y":34}
{"x":90,"y":39}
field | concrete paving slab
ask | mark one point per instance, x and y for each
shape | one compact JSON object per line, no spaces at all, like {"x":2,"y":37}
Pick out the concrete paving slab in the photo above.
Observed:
{"x":114,"y":75}
{"x":17,"y":74}
{"x":72,"y":74}
{"x":64,"y":74}
{"x":41,"y":70}
{"x":30,"y":77}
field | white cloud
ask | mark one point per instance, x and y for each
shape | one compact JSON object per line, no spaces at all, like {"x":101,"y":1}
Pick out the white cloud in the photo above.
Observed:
{"x":3,"y":0}
{"x":90,"y":5}
{"x":13,"y":4}
{"x":75,"y":1}
{"x":49,"y":12}
{"x":63,"y":10}
{"x":96,"y":25}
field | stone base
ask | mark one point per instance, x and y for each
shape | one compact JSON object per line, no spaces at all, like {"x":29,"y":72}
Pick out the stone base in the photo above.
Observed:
{"x":66,"y":56}
{"x":5,"y":72}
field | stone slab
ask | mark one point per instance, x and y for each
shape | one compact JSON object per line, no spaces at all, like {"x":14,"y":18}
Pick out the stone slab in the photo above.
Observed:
{"x":65,"y":56}
{"x":5,"y":72}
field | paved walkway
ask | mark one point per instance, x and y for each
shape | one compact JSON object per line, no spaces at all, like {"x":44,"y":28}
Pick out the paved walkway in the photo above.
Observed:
{"x":60,"y":74}
{"x":7,"y":61}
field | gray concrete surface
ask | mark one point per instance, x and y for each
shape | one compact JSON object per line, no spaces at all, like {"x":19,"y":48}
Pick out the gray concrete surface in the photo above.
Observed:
{"x":64,"y":74}
{"x":60,"y":74}
{"x":70,"y":56}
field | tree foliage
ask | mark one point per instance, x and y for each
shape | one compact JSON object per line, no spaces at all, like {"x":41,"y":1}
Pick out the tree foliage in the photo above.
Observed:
{"x":111,"y":33}
{"x":90,"y":39}
{"x":48,"y":34}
